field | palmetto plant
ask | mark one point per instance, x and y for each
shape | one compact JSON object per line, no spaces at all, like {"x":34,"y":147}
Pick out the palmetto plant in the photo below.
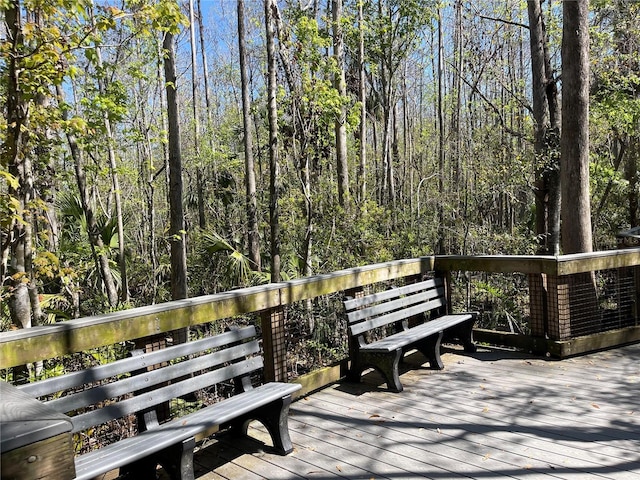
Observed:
{"x":75,"y":244}
{"x":237,"y":265}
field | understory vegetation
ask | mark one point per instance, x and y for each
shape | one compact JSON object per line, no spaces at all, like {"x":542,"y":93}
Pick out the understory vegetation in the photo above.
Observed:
{"x":439,"y":144}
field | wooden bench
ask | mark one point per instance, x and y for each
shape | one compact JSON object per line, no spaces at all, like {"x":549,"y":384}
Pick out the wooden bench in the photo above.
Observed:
{"x":383,"y":326}
{"x":144,"y":383}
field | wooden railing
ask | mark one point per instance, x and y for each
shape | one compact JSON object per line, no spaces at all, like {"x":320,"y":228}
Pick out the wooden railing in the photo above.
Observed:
{"x":553,"y":285}
{"x":565,"y":297}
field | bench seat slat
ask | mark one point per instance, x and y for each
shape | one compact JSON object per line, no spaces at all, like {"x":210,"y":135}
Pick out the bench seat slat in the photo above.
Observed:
{"x":381,"y":321}
{"x":415,"y":334}
{"x":162,"y":394}
{"x":391,"y":293}
{"x":100,"y":372}
{"x":142,"y":445}
{"x":151,"y":378}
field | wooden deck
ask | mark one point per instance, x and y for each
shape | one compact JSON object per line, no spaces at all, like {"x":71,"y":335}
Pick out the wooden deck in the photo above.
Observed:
{"x":487,"y":415}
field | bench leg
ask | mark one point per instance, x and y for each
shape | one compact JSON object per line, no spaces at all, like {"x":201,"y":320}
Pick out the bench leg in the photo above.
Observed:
{"x":388,"y":364}
{"x":275,"y":417}
{"x":464,"y":333}
{"x":354,"y":373}
{"x":178,"y":460}
{"x":430,"y":348}
{"x":145,"y":468}
{"x":467,"y":336}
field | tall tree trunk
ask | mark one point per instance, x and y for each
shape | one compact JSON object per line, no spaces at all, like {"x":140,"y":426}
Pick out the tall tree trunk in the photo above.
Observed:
{"x":202,"y":222}
{"x":250,"y":176}
{"x":270,"y":10}
{"x":148,"y":178}
{"x":176,"y":228}
{"x":574,"y":143}
{"x":633,"y":177}
{"x":205,"y":73}
{"x":115,"y":183}
{"x":545,"y":113}
{"x":457,"y":92}
{"x":18,"y":272}
{"x":340,"y":85}
{"x":95,"y":238}
{"x":362,"y":97}
{"x":441,"y":139}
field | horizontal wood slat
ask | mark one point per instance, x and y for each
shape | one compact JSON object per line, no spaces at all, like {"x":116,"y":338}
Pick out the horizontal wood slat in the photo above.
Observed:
{"x":396,"y":304}
{"x":163,"y":394}
{"x":415,"y":334}
{"x":151,"y":378}
{"x":362,"y":327}
{"x":101,"y":372}
{"x":354,"y":303}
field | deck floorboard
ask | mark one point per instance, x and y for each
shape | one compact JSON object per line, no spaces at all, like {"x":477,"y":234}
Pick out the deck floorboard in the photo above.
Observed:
{"x":488,"y":415}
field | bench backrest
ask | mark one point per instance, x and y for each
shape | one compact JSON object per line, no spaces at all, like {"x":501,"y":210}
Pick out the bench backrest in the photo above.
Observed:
{"x":184,"y":368}
{"x":394,"y":305}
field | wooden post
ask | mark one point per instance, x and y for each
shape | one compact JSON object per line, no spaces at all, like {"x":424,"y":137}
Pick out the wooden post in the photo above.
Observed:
{"x":538,"y":310}
{"x":557,"y":308}
{"x":274,"y":345}
{"x":446,"y":277}
{"x":357,"y":292}
{"x":636,"y":296}
{"x":151,"y":344}
{"x":573,"y":309}
{"x":36,"y":441}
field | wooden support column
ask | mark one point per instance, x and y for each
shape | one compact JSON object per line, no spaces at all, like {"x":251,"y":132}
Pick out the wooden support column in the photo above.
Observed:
{"x":357,"y":292}
{"x":274,"y":345}
{"x":538,"y":311}
{"x":572,"y":306}
{"x":558,"y":325}
{"x":636,"y":297}
{"x":151,"y":344}
{"x":446,"y":277}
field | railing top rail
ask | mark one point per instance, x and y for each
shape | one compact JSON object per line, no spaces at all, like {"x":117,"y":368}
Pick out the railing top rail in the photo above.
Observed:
{"x":548,"y":264}
{"x":29,"y":345}
{"x":498,"y":263}
{"x":593,"y":261}
{"x":18,"y":347}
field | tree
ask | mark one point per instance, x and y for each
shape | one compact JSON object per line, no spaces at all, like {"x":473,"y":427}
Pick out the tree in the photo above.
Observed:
{"x":395,"y":27}
{"x":15,"y":158}
{"x":177,"y":233}
{"x":441,"y":139}
{"x":546,"y":116}
{"x":96,"y":242}
{"x":113,"y":167}
{"x":574,"y":142}
{"x":250,"y":176}
{"x":341,"y":121}
{"x":202,"y":221}
{"x":270,"y":12}
{"x":362,"y":97}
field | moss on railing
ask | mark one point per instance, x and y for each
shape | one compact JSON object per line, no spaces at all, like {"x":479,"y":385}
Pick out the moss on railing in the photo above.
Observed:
{"x":19,"y":347}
